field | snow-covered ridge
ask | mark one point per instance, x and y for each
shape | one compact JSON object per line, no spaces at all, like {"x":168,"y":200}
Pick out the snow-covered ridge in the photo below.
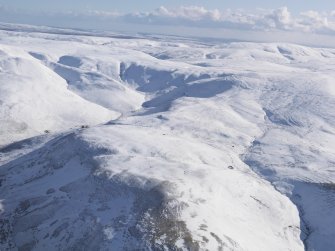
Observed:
{"x":199,"y":146}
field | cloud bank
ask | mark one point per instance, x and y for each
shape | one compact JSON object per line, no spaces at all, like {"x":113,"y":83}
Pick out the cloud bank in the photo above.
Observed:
{"x":261,"y":20}
{"x":186,"y":17}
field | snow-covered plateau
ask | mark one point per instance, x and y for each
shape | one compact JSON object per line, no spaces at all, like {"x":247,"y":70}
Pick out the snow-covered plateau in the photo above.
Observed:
{"x":111,"y":142}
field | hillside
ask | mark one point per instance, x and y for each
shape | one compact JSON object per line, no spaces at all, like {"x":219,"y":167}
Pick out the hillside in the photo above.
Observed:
{"x":165,"y":143}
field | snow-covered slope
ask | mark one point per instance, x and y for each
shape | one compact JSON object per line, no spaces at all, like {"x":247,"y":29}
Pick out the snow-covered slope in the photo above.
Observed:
{"x":216,"y":146}
{"x":136,"y":189}
{"x":34,"y":99}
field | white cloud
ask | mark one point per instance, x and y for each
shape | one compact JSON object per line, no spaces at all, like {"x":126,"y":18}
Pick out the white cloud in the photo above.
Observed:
{"x":193,"y":13}
{"x":279,"y":19}
{"x":195,"y":16}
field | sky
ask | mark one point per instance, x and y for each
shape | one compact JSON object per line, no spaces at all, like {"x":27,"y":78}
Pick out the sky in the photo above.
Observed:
{"x":300,"y":21}
{"x":148,"y":5}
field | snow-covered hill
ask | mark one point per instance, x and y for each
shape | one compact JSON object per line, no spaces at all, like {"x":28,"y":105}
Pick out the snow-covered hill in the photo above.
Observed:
{"x":35,"y":99}
{"x":189,"y":145}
